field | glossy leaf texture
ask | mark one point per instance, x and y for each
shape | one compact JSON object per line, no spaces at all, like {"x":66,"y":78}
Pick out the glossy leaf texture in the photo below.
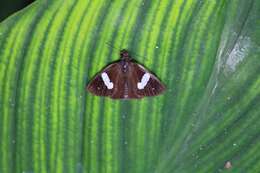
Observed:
{"x":206,"y":52}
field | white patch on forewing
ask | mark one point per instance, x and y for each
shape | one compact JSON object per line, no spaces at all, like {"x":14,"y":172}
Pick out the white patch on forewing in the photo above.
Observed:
{"x":106,"y":80}
{"x":144,"y":81}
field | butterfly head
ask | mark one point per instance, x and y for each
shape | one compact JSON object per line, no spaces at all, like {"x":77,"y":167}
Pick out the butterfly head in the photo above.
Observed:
{"x":124,"y":54}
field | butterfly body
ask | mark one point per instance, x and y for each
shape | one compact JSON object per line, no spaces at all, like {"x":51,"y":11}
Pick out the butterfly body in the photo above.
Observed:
{"x":125,"y":79}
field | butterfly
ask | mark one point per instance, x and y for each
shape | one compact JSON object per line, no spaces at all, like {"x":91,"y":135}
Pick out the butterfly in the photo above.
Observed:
{"x":125,"y":79}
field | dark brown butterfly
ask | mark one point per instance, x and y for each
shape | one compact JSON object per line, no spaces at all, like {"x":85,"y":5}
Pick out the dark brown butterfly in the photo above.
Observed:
{"x":125,"y":79}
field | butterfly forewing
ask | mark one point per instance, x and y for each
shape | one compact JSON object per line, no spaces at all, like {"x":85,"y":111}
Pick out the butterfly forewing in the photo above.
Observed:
{"x":98,"y":87}
{"x":151,"y":87}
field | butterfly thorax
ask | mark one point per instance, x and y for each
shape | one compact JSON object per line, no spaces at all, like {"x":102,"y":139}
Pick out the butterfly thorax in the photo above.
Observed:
{"x":125,"y":60}
{"x":125,"y":65}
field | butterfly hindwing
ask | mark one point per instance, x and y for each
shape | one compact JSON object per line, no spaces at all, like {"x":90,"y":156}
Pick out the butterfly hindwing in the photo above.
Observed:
{"x":124,"y":88}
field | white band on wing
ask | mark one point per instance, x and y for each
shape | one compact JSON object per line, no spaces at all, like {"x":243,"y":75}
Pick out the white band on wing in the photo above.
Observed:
{"x":144,"y":81}
{"x":106,"y":80}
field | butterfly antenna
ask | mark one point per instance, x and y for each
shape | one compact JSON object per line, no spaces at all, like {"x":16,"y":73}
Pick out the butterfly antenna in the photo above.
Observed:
{"x":137,"y":55}
{"x":110,"y":45}
{"x":131,"y":53}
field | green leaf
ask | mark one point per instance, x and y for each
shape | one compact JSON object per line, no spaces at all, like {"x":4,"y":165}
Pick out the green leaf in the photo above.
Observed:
{"x":206,"y":52}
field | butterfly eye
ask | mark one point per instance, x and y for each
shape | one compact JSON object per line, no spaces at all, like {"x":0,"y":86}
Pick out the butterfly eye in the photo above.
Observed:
{"x":124,"y":53}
